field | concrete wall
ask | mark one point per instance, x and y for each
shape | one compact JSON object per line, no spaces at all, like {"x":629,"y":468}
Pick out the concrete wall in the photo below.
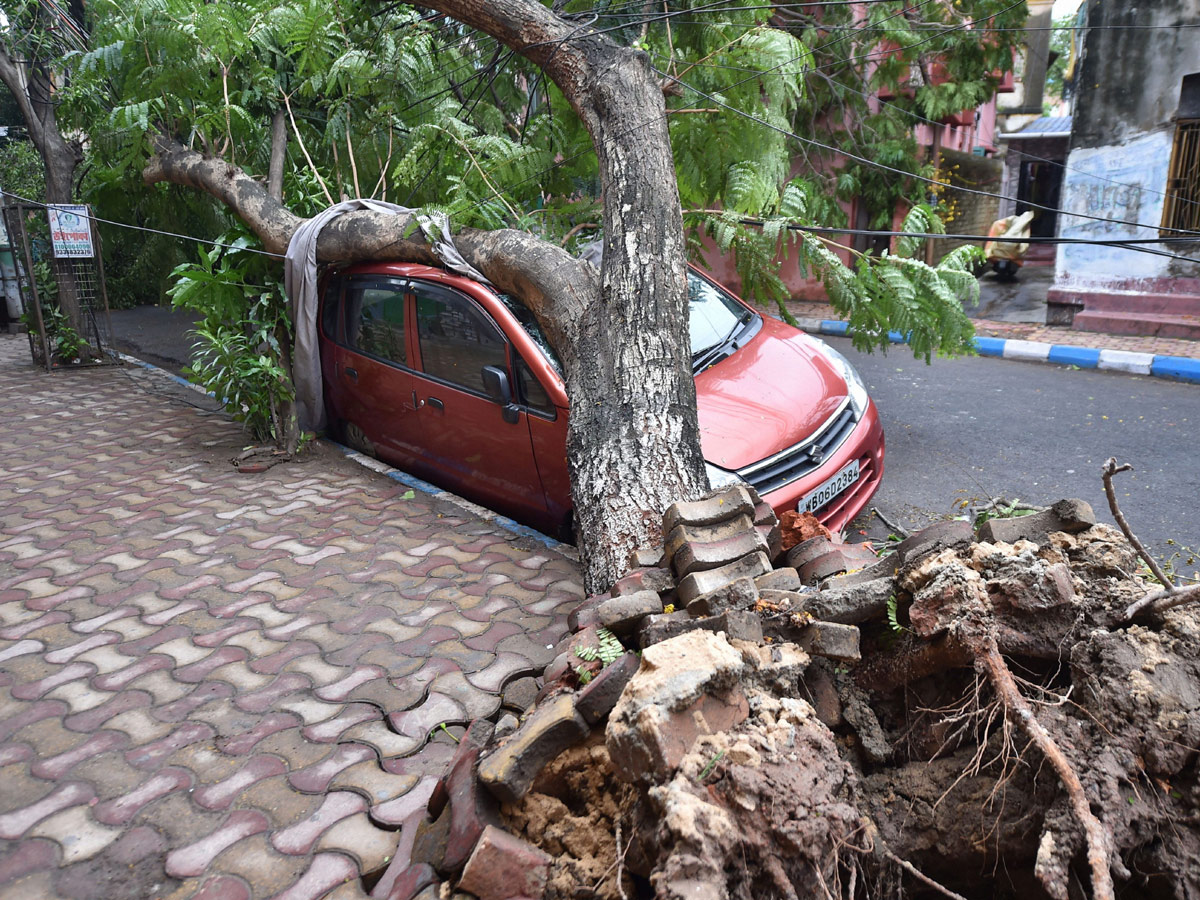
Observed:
{"x":1118,"y":182}
{"x":1129,"y":77}
{"x":1123,"y":129}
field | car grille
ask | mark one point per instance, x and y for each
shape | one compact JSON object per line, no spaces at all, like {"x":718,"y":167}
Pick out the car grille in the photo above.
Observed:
{"x":798,"y":460}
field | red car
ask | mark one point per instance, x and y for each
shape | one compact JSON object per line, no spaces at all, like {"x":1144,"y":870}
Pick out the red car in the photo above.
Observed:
{"x":449,"y":380}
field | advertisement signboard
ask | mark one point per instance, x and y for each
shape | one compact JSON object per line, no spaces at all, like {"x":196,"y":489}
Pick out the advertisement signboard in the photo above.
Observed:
{"x":70,"y":231}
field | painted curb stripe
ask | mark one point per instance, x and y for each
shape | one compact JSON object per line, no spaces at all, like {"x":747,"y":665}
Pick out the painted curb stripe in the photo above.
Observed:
{"x":1069,"y":355}
{"x":1179,"y":368}
{"x":987,"y":346}
{"x":1126,"y":361}
{"x":1030,"y":351}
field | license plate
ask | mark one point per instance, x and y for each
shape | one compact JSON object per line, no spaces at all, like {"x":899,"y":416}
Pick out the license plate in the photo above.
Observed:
{"x":814,"y":500}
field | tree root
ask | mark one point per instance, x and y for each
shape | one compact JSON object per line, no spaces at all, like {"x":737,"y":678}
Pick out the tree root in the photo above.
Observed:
{"x":1110,"y":469}
{"x":921,"y":876}
{"x":988,"y":658}
{"x":1161,"y":601}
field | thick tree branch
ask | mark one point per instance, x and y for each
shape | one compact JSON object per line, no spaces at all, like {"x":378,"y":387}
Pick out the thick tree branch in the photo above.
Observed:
{"x":15,"y":79}
{"x":550,"y":281}
{"x":278,"y":154}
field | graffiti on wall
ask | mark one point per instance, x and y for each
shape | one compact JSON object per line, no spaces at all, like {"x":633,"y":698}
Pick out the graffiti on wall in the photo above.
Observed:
{"x":1117,"y":193}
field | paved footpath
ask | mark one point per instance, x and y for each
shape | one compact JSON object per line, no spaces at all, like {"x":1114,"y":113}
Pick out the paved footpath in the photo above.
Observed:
{"x":223,"y":685}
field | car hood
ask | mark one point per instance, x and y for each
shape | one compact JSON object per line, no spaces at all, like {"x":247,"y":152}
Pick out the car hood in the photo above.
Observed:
{"x":770,"y":394}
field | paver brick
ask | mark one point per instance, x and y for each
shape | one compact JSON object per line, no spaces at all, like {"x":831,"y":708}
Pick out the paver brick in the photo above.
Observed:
{"x":55,"y":767}
{"x":188,"y":594}
{"x":79,"y":835}
{"x":67,"y":794}
{"x":326,"y":871}
{"x":299,"y":839}
{"x":253,"y":861}
{"x":194,"y":859}
{"x":121,"y":810}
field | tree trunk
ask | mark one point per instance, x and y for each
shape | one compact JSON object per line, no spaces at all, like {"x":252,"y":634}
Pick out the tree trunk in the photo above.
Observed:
{"x":30,"y":85}
{"x":633,"y":444}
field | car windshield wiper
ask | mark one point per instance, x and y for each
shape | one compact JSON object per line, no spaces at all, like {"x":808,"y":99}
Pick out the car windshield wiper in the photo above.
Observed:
{"x":709,"y":355}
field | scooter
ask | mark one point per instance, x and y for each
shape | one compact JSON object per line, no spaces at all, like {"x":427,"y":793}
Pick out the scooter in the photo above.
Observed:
{"x":1005,"y":257}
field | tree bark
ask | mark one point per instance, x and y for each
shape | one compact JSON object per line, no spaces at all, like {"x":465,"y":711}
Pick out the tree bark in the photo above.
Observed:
{"x":278,"y":154}
{"x":30,"y":85}
{"x":622,"y":334}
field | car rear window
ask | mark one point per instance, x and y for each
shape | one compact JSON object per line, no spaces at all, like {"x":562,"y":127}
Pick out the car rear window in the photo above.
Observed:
{"x":375,"y":320}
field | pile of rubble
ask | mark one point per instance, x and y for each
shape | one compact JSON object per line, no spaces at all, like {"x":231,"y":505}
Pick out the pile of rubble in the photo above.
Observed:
{"x":700,"y":735}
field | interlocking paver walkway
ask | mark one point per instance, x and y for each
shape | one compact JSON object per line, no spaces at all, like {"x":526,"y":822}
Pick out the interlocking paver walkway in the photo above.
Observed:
{"x":223,"y":685}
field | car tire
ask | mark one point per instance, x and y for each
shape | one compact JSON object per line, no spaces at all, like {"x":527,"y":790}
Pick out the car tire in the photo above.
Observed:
{"x":354,"y":438}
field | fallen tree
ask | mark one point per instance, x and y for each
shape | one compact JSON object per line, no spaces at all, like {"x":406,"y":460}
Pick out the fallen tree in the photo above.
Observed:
{"x":621,"y":331}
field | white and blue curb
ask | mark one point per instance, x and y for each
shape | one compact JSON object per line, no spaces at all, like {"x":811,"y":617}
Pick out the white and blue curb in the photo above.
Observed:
{"x":1177,"y":368}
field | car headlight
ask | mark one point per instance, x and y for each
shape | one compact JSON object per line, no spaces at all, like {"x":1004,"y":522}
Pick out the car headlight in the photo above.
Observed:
{"x":719,"y":478}
{"x":854,"y":382}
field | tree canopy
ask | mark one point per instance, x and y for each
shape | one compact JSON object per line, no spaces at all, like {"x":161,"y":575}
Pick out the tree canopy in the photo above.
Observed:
{"x":548,"y":128}
{"x":771,"y":114}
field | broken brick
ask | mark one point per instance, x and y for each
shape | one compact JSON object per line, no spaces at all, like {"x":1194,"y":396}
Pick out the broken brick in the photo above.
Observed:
{"x":429,"y":842}
{"x":694,"y":548}
{"x":832,"y":562}
{"x":504,"y":866}
{"x":699,"y":583}
{"x":853,"y":604}
{"x":412,"y":881}
{"x":722,"y":504}
{"x":471,"y":807}
{"x":585,"y":613}
{"x":621,"y":615}
{"x":799,"y":527}
{"x":1070,"y":516}
{"x":652,"y":579}
{"x":551,"y":728}
{"x":600,"y":695}
{"x":646,"y":558}
{"x":939,"y":536}
{"x":737,"y":624}
{"x":831,"y":640}
{"x":655,"y":629}
{"x":782,"y":579}
{"x":808,"y":550}
{"x":739,"y":594}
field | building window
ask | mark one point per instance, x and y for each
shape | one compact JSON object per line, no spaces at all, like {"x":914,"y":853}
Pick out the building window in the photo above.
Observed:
{"x":1181,"y":212}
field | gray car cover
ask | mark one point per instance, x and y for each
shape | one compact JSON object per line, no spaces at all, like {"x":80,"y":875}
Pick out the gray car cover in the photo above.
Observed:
{"x":300,"y":282}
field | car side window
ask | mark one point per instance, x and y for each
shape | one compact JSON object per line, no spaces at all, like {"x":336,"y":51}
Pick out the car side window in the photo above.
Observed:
{"x":375,"y":320}
{"x":531,"y":392}
{"x":457,"y":339}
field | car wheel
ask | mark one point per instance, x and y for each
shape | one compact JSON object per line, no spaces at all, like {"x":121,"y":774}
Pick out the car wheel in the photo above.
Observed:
{"x":356,"y":440}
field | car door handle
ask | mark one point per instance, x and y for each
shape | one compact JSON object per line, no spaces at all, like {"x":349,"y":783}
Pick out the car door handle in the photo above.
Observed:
{"x":352,"y":374}
{"x":436,"y":404}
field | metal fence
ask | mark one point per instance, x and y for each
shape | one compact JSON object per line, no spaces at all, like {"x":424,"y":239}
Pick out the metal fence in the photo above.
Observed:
{"x":60,"y":275}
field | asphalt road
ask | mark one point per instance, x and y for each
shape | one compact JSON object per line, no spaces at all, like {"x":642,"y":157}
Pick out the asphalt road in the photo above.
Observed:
{"x":968,"y":429}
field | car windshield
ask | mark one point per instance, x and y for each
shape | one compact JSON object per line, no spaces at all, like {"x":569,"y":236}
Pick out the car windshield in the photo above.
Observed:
{"x":713,"y":314}
{"x":532,"y":328}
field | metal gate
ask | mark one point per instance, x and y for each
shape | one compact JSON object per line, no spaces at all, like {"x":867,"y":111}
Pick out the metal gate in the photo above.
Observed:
{"x":60,"y":273}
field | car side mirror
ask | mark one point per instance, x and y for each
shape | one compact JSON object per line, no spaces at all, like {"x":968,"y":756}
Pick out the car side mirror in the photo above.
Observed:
{"x":497,"y":387}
